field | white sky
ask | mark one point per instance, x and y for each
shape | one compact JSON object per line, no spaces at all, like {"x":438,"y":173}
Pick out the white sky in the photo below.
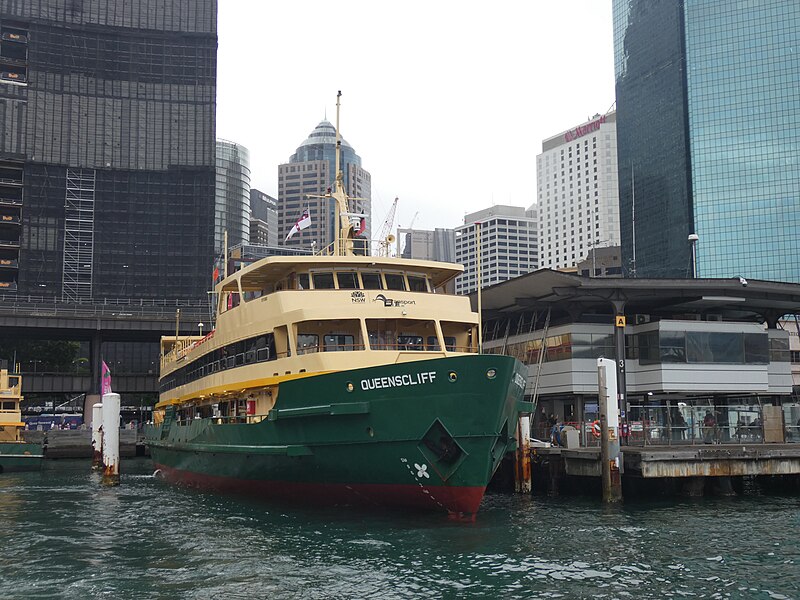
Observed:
{"x":446,"y":102}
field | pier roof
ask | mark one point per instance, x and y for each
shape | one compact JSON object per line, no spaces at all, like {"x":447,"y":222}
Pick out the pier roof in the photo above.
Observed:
{"x":735,"y":298}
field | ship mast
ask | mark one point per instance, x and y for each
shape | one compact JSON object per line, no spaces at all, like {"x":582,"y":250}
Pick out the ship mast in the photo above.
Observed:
{"x":343,"y":228}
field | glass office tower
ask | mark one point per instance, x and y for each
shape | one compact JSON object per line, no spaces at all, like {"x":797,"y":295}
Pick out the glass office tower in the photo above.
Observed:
{"x":708,"y":130}
{"x":107,"y":153}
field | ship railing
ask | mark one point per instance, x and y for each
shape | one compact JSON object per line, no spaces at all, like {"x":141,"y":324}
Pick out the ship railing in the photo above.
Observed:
{"x":222,"y":420}
{"x":419,"y":347}
{"x":313,"y":349}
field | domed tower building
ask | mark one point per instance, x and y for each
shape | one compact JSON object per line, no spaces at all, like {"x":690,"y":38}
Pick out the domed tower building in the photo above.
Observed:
{"x":311,"y":171}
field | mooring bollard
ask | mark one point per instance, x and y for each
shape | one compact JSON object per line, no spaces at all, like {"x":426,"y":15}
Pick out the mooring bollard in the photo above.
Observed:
{"x":97,"y":437}
{"x":111,"y":439}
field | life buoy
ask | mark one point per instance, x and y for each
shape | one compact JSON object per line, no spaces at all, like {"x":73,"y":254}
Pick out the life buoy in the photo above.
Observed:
{"x":596,"y":429}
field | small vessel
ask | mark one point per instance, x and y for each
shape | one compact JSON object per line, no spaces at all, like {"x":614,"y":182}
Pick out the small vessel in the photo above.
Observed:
{"x":15,"y":454}
{"x":339,"y":379}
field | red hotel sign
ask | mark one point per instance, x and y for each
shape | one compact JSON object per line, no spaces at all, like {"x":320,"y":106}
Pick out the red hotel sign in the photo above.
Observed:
{"x":574,"y":134}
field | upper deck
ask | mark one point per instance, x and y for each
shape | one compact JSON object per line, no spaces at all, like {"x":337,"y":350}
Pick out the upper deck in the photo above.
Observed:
{"x":315,"y":304}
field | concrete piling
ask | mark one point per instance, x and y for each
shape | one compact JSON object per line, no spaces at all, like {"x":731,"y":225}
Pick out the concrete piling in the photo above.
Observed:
{"x":111,"y":406}
{"x":97,"y":437}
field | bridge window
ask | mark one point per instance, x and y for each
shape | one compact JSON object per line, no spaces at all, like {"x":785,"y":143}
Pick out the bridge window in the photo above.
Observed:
{"x":395,"y":281}
{"x":417,"y":284}
{"x":323,"y":281}
{"x":302,"y":281}
{"x":347,"y":280}
{"x":372,"y":281}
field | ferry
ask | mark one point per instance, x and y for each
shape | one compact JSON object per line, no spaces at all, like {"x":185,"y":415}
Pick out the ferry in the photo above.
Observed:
{"x":339,"y":379}
{"x":15,"y":453}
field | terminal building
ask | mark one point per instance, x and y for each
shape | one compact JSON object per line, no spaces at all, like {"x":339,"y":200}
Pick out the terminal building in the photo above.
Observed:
{"x":692,"y":347}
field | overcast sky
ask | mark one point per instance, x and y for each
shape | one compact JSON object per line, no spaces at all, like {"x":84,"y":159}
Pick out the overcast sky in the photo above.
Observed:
{"x":446,"y":102}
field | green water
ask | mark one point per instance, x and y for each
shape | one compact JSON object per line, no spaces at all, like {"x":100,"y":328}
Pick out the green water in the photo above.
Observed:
{"x":63,"y":536}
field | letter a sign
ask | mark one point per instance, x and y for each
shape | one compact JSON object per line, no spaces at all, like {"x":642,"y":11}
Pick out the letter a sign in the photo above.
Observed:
{"x":620,"y":320}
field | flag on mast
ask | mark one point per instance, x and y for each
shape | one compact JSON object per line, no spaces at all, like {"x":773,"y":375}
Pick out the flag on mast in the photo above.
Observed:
{"x":105,"y":380}
{"x":303,"y":222}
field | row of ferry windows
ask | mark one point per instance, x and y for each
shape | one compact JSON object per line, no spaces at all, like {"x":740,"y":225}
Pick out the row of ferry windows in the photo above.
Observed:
{"x":365,"y":280}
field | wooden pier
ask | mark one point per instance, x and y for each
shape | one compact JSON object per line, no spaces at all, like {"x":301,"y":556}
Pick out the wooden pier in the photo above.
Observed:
{"x":686,"y":465}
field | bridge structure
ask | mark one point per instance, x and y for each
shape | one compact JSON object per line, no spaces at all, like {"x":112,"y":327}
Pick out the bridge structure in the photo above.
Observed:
{"x":135,"y":321}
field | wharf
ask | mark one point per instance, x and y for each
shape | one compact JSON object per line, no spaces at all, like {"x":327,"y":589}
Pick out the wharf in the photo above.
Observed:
{"x":670,"y":463}
{"x":77,"y":443}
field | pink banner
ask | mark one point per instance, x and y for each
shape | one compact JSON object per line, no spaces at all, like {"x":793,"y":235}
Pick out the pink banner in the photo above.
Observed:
{"x":105,"y":380}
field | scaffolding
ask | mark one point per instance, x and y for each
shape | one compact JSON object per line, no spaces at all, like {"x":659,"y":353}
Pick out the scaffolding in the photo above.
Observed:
{"x":76,"y":283}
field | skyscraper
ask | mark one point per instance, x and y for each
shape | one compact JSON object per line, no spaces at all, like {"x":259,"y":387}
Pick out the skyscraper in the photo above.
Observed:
{"x":263,"y":219}
{"x":708,"y":123}
{"x":107,"y":114}
{"x":508,"y":246}
{"x":232,"y":205}
{"x":578,"y":193}
{"x":310,"y":171}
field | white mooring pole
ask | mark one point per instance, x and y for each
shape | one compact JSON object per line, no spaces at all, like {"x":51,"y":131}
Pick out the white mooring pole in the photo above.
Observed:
{"x":111,"y":439}
{"x":97,"y":437}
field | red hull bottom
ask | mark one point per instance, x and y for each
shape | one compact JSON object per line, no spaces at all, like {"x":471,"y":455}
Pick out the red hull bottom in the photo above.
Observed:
{"x":458,"y":502}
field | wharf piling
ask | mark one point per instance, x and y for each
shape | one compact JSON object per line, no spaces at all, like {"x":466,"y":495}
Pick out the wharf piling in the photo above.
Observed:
{"x":111,"y":405}
{"x":97,"y":437}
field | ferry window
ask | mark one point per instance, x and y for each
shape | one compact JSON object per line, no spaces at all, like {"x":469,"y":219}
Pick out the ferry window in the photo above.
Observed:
{"x":323,"y":281}
{"x":307,"y":343}
{"x":302,"y":281}
{"x":8,"y":406}
{"x":395,"y":281}
{"x":417,"y":284}
{"x":433,"y":343}
{"x":409,"y":342}
{"x":450,"y":343}
{"x":372,"y":281}
{"x":347,"y":281}
{"x":338,"y":342}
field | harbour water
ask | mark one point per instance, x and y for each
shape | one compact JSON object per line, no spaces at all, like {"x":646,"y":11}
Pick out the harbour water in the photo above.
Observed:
{"x":63,"y":536}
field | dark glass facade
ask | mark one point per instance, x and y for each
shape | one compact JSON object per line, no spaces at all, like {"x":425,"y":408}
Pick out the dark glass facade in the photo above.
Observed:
{"x":708,"y":123}
{"x":115,"y":126}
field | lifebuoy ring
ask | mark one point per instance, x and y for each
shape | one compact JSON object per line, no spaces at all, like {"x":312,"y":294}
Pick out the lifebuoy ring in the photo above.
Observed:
{"x":596,"y":429}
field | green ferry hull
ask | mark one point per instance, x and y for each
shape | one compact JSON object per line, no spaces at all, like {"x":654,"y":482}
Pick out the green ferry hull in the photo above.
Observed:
{"x":20,"y":456}
{"x":427,"y":434}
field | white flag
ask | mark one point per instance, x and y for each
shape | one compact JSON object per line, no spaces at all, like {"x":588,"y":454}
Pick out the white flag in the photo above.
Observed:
{"x":303,"y":222}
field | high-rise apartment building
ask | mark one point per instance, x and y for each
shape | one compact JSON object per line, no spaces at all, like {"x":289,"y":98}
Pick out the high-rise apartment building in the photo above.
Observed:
{"x":308,"y":175}
{"x":263,"y":219}
{"x":708,"y":123}
{"x":437,"y":244}
{"x":232,"y":204}
{"x":107,"y":158}
{"x":508,"y":243}
{"x":578,"y":195}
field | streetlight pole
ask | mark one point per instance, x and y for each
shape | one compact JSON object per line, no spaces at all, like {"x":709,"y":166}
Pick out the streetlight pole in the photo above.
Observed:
{"x":693,"y":237}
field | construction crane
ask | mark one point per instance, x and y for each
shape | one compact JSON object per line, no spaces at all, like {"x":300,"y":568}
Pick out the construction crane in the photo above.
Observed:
{"x":385,"y":239}
{"x":410,"y":227}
